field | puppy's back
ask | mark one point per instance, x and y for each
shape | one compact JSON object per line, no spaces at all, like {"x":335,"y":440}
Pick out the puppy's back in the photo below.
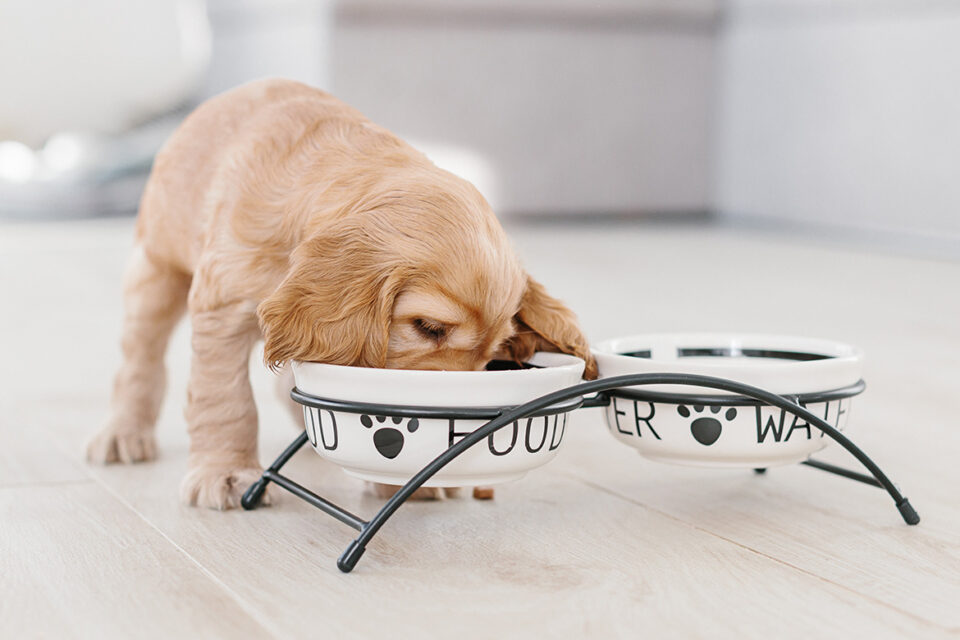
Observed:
{"x":228,"y":142}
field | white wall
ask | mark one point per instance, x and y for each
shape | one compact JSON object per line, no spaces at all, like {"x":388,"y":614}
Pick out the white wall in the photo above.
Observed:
{"x":842,"y":113}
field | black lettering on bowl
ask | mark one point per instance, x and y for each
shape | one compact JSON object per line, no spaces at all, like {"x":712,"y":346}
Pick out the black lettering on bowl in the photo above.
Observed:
{"x":561,"y":420}
{"x":543,"y":437}
{"x":771,"y":422}
{"x":639,"y":418}
{"x":317,"y":428}
{"x":537,"y":432}
{"x":616,"y":417}
{"x":513,"y":440}
{"x":454,"y":436}
{"x":770,"y":426}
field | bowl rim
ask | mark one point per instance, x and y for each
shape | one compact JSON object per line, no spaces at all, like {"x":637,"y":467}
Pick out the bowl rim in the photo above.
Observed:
{"x":842,"y":366}
{"x":562,"y":361}
{"x":644,"y":394}
{"x":426,"y":412}
{"x":417,"y":387}
{"x":614,"y":348}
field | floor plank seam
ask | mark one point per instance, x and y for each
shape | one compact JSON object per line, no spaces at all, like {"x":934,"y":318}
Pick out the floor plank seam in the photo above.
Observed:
{"x":758,"y":552}
{"x":44,"y":483}
{"x":247,"y":608}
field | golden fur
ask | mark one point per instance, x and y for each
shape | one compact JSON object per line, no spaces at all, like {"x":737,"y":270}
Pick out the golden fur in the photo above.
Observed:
{"x":277,"y":211}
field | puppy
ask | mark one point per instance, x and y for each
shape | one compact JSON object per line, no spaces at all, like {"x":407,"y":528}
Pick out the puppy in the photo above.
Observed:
{"x":278,"y":212}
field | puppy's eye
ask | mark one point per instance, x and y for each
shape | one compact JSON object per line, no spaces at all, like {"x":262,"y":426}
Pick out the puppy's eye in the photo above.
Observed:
{"x":429,"y":329}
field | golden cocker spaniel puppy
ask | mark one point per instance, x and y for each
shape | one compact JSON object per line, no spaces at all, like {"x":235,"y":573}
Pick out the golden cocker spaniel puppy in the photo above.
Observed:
{"x":278,"y":212}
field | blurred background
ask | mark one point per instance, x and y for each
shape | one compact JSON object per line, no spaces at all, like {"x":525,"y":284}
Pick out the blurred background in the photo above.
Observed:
{"x":816,"y":117}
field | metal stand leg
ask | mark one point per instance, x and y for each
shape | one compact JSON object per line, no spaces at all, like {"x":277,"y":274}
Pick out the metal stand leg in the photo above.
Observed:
{"x":907,"y":512}
{"x":840,"y":471}
{"x":252,"y":496}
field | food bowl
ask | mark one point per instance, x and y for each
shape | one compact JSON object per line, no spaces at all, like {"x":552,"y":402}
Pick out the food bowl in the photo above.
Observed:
{"x":385,"y":425}
{"x":685,"y":425}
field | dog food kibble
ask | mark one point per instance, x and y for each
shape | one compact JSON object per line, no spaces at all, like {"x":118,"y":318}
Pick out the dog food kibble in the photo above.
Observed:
{"x":483,"y":493}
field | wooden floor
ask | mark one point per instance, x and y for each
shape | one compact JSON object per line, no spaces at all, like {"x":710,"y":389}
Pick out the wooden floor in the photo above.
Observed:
{"x":600,"y":543}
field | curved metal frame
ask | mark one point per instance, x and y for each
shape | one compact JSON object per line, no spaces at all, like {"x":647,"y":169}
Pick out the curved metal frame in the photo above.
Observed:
{"x":368,"y":529}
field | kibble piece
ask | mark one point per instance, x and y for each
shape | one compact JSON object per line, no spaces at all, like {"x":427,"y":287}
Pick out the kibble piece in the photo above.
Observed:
{"x":483,"y":493}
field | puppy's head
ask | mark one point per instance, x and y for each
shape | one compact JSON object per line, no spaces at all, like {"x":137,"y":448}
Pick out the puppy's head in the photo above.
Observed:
{"x":413,"y":283}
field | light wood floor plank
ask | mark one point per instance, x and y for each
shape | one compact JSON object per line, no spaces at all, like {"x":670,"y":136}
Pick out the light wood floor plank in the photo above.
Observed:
{"x":843,"y":531}
{"x":78,"y":564}
{"x":548,"y":557}
{"x":27,"y":457}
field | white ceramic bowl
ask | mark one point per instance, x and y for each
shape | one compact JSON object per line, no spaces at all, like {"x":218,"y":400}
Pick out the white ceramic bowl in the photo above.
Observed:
{"x":717,"y":434}
{"x":381,"y":447}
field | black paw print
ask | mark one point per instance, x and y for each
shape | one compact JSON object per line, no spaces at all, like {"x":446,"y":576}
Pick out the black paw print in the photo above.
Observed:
{"x":706,"y":430}
{"x":387,"y":440}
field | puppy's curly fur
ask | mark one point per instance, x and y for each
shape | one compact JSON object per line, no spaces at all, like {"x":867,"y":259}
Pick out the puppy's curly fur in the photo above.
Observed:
{"x":277,"y":211}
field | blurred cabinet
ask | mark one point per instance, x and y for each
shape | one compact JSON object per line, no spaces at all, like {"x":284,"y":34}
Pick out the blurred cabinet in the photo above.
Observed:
{"x":571,"y":107}
{"x":555,"y":107}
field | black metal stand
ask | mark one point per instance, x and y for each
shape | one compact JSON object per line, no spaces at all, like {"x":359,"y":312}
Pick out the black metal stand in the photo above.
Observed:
{"x":612,"y":386}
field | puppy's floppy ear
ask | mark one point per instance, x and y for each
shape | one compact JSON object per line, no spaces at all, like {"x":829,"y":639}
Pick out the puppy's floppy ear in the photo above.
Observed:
{"x":335,"y":303}
{"x":546,"y":324}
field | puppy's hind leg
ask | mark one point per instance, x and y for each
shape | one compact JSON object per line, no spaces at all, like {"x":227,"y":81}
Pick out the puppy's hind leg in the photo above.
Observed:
{"x":154,"y":300}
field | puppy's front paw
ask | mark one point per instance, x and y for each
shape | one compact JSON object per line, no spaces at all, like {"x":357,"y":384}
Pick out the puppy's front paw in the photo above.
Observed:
{"x":219,"y":486}
{"x":112,"y":446}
